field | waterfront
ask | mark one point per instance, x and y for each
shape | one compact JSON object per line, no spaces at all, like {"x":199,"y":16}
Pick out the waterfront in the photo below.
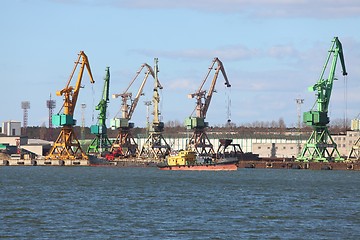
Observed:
{"x":146,"y":203}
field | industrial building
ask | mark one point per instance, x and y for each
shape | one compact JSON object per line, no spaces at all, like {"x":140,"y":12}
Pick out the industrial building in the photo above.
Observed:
{"x":281,"y":147}
{"x":18,"y":146}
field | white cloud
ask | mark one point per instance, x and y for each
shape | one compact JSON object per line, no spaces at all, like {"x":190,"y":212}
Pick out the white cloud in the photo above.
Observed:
{"x":258,"y":8}
{"x":179,"y":84}
{"x":282,"y":51}
{"x":224,"y":53}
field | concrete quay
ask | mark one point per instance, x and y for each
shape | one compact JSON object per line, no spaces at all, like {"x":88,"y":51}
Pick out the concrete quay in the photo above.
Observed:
{"x":44,"y":162}
{"x":277,"y":164}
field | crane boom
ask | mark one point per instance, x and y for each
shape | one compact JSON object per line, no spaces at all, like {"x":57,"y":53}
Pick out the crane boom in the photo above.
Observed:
{"x":202,"y":108}
{"x":127,"y":112}
{"x":324,"y":86}
{"x":212,"y":87}
{"x":140,"y":91}
{"x":71,"y":93}
{"x":102,"y":105}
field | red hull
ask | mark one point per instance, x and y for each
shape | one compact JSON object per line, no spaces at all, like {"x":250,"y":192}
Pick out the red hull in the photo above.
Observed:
{"x":222,"y":167}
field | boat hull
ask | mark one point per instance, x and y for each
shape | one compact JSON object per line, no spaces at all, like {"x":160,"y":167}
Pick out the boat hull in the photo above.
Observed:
{"x":210,"y":167}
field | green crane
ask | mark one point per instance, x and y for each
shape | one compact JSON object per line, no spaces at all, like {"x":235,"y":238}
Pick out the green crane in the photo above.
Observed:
{"x":101,"y":141}
{"x":320,"y":147}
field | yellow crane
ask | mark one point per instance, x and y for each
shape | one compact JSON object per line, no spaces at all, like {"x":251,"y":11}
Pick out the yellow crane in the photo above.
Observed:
{"x":67,"y":145}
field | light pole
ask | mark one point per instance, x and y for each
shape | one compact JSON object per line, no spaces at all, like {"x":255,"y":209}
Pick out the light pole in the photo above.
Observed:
{"x":148,"y":104}
{"x":299,"y":101}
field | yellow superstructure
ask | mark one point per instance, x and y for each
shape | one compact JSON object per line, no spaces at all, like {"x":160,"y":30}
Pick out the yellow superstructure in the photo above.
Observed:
{"x":183,"y":158}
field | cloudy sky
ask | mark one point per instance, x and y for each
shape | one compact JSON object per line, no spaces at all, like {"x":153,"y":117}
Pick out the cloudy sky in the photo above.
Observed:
{"x":272,"y":51}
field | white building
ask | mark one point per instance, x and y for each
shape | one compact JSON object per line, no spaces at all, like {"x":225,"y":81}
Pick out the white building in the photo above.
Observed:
{"x":11,"y":128}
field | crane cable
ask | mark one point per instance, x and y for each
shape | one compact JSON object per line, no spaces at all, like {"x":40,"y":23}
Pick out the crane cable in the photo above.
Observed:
{"x":228,"y":103}
{"x":93,"y":103}
{"x":161,"y":99}
{"x":345,"y":100}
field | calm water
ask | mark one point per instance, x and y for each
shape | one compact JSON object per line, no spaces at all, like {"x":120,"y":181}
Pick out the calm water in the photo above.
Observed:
{"x":146,"y":203}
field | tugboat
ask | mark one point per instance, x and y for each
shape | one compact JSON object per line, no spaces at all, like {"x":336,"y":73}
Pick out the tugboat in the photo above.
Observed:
{"x":226,"y":159}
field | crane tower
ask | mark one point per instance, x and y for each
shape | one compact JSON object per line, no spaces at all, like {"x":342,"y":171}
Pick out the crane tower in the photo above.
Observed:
{"x":320,"y":147}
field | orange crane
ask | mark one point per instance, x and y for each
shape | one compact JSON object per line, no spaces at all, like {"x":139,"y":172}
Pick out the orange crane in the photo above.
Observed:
{"x":67,"y":145}
{"x":199,"y":140}
{"x":124,"y":144}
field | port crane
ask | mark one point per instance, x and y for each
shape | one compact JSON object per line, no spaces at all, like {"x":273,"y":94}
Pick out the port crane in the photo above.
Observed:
{"x":155,"y":145}
{"x":67,"y":145}
{"x":101,"y":142}
{"x":125,"y":144}
{"x":199,"y":140}
{"x":320,"y":147}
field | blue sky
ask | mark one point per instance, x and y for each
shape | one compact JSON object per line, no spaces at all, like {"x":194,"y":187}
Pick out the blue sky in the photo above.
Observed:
{"x":272,"y":52}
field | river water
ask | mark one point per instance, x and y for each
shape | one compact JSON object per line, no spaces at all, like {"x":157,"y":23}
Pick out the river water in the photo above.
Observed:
{"x":147,"y":203}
